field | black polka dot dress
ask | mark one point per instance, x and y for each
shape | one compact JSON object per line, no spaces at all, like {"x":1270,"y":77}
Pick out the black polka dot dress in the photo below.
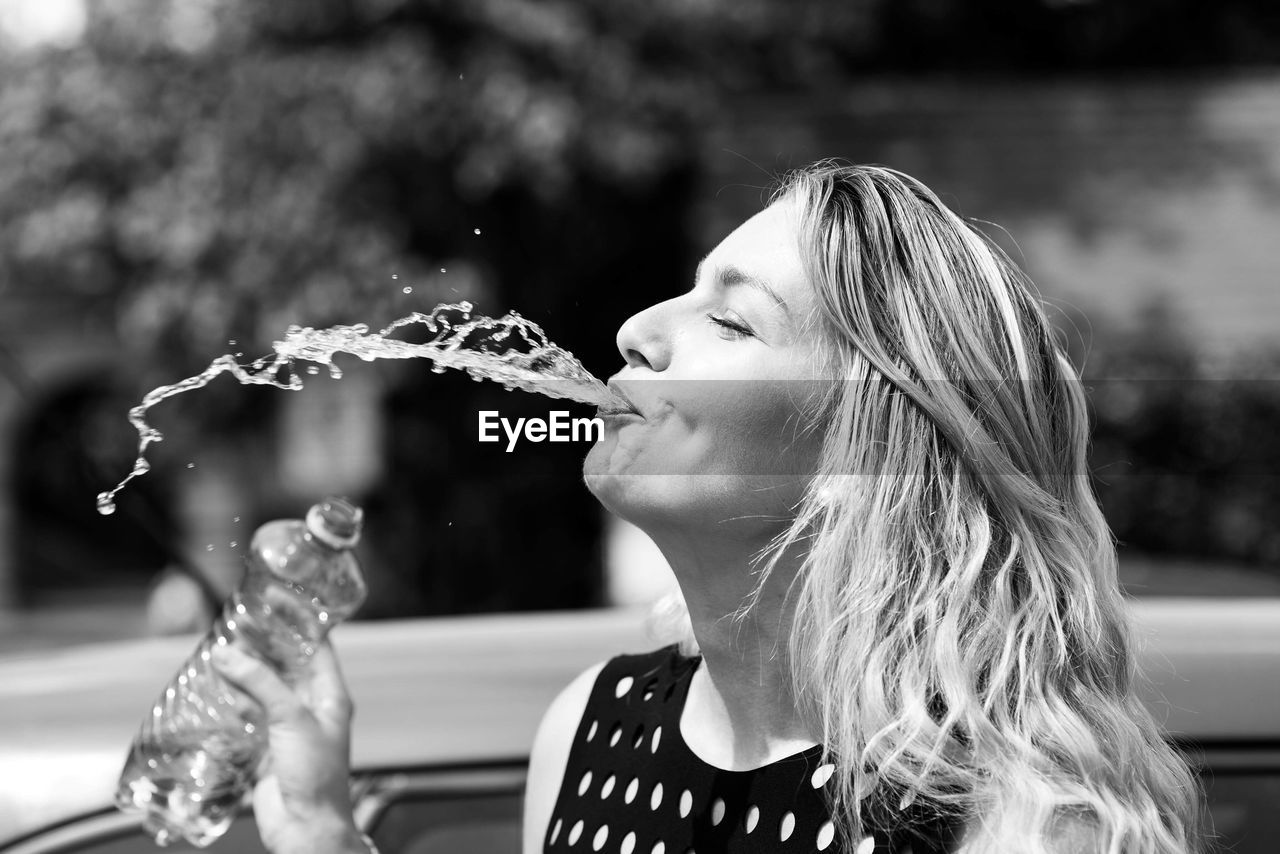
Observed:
{"x":632,"y":786}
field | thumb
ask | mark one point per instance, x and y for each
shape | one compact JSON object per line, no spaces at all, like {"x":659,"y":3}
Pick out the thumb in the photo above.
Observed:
{"x":260,"y":682}
{"x":326,"y":691}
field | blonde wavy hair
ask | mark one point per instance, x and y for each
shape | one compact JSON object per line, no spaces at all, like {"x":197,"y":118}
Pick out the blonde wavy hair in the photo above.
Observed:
{"x":959,"y":638}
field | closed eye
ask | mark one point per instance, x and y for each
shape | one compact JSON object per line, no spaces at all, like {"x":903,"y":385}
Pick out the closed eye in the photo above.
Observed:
{"x":735,"y":329}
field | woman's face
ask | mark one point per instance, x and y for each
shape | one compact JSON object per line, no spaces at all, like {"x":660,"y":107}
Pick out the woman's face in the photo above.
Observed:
{"x":722,"y":379}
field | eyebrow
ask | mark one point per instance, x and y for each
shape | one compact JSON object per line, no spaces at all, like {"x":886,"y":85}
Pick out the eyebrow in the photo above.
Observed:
{"x":730,"y":276}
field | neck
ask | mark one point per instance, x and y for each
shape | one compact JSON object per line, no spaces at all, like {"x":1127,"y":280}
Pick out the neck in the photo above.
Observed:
{"x":741,"y":712}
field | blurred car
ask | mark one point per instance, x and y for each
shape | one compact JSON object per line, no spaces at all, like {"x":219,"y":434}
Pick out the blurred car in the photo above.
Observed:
{"x":447,"y":710}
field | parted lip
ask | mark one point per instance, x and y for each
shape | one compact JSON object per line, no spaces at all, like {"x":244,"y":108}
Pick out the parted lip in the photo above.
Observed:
{"x":624,"y":406}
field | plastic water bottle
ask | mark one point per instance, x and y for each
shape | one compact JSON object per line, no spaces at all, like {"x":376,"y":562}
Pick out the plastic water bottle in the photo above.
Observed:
{"x":198,"y":750}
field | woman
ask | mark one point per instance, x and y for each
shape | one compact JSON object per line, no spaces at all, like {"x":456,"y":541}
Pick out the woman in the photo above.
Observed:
{"x":862,"y":451}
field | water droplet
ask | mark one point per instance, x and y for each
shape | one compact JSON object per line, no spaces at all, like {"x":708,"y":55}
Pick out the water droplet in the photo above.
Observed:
{"x":408,"y":290}
{"x":238,"y":355}
{"x":191,"y":465}
{"x":105,"y":505}
{"x":313,"y":369}
{"x":233,"y":544}
{"x":395,"y":275}
{"x":231,"y":343}
{"x":335,"y":371}
{"x":235,"y":518}
{"x":437,"y":369}
{"x":477,"y":231}
{"x":209,"y":547}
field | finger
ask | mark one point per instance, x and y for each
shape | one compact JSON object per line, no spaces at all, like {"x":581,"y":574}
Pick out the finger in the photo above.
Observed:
{"x":264,"y":765}
{"x":330,"y":699}
{"x":258,"y":681}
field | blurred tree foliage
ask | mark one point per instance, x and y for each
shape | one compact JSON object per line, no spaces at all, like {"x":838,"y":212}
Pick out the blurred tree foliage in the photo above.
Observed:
{"x":211,"y":171}
{"x":1185,"y":454}
{"x":224,"y":168}
{"x":220,"y":169}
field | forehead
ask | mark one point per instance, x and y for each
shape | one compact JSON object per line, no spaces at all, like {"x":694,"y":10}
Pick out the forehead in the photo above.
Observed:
{"x":767,"y":246}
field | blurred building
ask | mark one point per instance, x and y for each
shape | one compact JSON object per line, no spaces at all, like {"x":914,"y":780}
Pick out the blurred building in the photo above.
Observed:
{"x":44,"y":350}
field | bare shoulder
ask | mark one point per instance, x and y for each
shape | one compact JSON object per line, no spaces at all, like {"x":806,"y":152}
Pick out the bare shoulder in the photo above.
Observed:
{"x":550,"y":755}
{"x":1075,"y":834}
{"x":1067,"y":835}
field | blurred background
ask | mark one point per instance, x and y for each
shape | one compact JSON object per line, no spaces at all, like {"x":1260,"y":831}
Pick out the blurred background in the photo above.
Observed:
{"x":184,"y":180}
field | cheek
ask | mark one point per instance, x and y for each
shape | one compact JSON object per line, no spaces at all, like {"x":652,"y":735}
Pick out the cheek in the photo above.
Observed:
{"x":735,"y":449}
{"x":667,"y":443}
{"x":767,"y":434}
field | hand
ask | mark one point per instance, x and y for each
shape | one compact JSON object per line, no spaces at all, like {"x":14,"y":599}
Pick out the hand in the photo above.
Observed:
{"x":302,"y":802}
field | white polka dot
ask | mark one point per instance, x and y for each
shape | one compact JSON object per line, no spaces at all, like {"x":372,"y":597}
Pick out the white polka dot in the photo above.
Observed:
{"x":717,"y":812}
{"x":632,"y":788}
{"x":787,"y":827}
{"x":866,"y":846}
{"x":623,"y":686}
{"x":602,"y":836}
{"x":615,"y":735}
{"x":591,"y":733}
{"x":753,"y":817}
{"x":584,"y":784}
{"x":575,"y":833}
{"x":686,"y":802}
{"x":555,"y":831}
{"x":825,"y":834}
{"x":607,"y":788}
{"x":656,"y":798}
{"x":628,"y":843}
{"x":658,"y":848}
{"x":638,"y":738}
{"x":657,"y":737}
{"x":821,"y":776}
{"x":649,"y":689}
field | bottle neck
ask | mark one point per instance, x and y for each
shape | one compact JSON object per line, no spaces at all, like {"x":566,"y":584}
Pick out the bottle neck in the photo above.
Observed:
{"x":335,"y":523}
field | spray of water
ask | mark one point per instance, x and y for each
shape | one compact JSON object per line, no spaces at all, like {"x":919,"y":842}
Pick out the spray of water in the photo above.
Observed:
{"x":510,"y":350}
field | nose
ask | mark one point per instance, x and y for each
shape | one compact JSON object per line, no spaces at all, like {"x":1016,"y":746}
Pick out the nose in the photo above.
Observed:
{"x":644,"y":340}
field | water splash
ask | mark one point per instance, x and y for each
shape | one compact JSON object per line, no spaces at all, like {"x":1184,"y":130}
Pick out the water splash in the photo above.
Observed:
{"x":510,"y":350}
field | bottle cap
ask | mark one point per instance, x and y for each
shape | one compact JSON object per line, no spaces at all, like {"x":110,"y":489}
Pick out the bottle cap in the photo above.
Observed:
{"x":335,"y":522}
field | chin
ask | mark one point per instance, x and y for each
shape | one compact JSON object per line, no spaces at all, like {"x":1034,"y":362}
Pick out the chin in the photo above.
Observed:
{"x":665,"y":502}
{"x":608,"y":469}
{"x":642,"y":499}
{"x":623,"y":495}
